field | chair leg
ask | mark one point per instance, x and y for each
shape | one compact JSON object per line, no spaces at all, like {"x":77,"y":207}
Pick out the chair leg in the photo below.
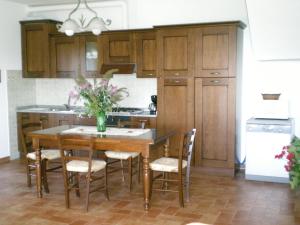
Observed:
{"x":122,"y":166}
{"x":106,"y":184}
{"x":139,"y":168}
{"x":180,"y":190}
{"x":67,"y":191}
{"x":88,"y":182}
{"x":44,"y":175}
{"x":130,"y":172}
{"x":28,"y":171}
{"x":187,"y":186}
{"x":77,"y":185}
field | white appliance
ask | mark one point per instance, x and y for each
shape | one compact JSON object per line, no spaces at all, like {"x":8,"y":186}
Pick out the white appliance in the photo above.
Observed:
{"x":272,"y":109}
{"x":264,"y":139}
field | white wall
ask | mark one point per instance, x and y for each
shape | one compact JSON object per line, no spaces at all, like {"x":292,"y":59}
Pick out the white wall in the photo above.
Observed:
{"x":10,"y":58}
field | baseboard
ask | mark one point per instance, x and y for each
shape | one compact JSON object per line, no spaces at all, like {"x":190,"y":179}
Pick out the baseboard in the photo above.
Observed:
{"x":4,"y":160}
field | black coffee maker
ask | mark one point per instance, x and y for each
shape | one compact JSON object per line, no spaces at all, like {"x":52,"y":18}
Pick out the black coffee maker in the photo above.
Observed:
{"x":153,"y":106}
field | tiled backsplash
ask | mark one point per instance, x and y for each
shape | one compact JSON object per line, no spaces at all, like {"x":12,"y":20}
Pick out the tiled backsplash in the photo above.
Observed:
{"x":55,"y":91}
{"x":20,"y":92}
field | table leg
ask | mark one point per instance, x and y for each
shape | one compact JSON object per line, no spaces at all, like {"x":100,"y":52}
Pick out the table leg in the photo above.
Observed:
{"x":146,"y":172}
{"x":38,"y":163}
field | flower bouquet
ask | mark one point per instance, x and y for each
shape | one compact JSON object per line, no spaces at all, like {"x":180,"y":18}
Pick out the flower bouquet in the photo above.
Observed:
{"x":292,"y":155}
{"x":99,"y":98}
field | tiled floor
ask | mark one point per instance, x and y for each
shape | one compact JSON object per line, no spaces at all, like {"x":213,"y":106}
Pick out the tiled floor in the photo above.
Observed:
{"x":214,"y":200}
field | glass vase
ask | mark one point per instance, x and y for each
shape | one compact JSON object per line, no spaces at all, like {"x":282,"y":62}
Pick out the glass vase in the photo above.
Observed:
{"x":101,"y":122}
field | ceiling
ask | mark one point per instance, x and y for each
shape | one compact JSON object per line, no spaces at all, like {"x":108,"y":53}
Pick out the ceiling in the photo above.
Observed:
{"x":48,"y":2}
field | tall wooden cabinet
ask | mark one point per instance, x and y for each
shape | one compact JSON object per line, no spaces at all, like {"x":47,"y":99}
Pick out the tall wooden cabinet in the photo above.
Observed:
{"x":209,"y":55}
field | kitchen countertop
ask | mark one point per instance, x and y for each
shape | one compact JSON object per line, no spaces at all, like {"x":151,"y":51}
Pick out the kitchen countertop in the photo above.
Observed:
{"x":59,"y":109}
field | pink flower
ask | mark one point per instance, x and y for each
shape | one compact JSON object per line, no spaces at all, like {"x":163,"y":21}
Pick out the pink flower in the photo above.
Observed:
{"x":290,"y":156}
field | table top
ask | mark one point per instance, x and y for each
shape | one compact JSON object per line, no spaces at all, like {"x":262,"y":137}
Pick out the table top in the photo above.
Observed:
{"x":152,"y":136}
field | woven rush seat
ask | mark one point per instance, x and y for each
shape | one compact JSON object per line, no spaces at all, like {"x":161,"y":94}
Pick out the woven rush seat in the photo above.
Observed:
{"x":166,"y":164}
{"x":49,"y":154}
{"x":83,"y":166}
{"x":121,"y":155}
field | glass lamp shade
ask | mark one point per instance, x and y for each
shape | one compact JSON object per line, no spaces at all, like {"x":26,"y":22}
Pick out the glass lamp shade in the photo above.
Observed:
{"x":96,"y":25}
{"x":69,"y":27}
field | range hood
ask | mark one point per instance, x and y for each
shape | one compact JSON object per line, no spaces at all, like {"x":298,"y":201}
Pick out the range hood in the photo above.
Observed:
{"x":123,"y":68}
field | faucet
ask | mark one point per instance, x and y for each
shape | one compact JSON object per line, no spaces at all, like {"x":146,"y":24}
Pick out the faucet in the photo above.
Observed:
{"x":68,"y":105}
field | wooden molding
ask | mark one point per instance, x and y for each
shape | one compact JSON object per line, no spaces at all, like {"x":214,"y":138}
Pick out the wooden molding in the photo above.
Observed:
{"x":4,"y":160}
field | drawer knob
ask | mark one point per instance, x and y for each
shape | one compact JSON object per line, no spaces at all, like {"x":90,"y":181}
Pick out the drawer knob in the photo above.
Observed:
{"x":215,"y":81}
{"x":215,"y":73}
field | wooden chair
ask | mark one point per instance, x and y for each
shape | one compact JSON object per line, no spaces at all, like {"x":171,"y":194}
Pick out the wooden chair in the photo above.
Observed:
{"x":167,"y":165}
{"x":76,"y":153}
{"x":48,"y":156}
{"x":133,"y":158}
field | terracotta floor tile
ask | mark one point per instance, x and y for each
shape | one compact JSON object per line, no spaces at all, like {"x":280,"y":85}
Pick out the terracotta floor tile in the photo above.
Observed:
{"x":213,"y":200}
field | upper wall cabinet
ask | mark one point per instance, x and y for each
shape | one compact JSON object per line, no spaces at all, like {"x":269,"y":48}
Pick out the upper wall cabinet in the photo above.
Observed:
{"x":175,"y":52}
{"x":35,"y":47}
{"x":117,"y":47}
{"x":64,"y":56}
{"x":216,"y":51}
{"x":146,"y":53}
{"x":71,"y":56}
{"x":90,"y":57}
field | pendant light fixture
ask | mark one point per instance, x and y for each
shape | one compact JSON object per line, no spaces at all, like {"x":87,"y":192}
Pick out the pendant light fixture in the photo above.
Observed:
{"x":96,"y":25}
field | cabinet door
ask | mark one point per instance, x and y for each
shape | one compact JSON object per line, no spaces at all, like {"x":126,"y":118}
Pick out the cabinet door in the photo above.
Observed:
{"x":117,"y":47}
{"x":64,"y":56}
{"x":216,"y":52}
{"x":175,"y":107}
{"x":35,"y":50}
{"x":146,"y":54}
{"x":215,"y":122}
{"x":89,"y":56}
{"x":60,"y":119}
{"x":175,"y":52}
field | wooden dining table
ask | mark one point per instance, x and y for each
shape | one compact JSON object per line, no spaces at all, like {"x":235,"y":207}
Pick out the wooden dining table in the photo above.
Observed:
{"x":150,"y":140}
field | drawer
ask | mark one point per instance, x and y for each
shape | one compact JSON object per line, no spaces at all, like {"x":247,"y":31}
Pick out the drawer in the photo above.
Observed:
{"x":175,"y":82}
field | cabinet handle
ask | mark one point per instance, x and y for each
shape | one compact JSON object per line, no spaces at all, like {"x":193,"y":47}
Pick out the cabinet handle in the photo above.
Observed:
{"x":176,"y":81}
{"x":215,"y":73}
{"x":215,"y":81}
{"x":177,"y":74}
{"x":149,"y":74}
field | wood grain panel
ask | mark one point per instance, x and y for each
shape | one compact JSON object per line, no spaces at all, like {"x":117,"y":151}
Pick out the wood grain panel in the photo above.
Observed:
{"x":65,"y":56}
{"x":149,"y":55}
{"x":215,"y":54}
{"x":215,"y":122}
{"x":215,"y":51}
{"x":35,"y":53}
{"x":119,"y":48}
{"x":146,"y":53}
{"x":175,"y":53}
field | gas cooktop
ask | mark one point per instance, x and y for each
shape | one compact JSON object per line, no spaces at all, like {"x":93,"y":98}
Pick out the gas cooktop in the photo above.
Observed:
{"x":127,"y":110}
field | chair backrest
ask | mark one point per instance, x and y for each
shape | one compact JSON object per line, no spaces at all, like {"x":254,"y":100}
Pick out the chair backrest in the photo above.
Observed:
{"x":132,"y":124}
{"x":187,"y":143}
{"x":25,"y":140}
{"x":76,"y":147}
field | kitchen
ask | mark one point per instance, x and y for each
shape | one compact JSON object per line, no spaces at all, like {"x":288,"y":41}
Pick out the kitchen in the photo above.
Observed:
{"x":255,"y":79}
